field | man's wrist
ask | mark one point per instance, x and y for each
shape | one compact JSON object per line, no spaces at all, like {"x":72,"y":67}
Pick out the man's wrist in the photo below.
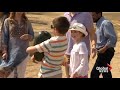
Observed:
{"x":105,"y":47}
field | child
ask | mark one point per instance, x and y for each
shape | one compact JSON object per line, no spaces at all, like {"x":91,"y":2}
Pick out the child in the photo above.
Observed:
{"x":54,"y":49}
{"x":79,"y":53}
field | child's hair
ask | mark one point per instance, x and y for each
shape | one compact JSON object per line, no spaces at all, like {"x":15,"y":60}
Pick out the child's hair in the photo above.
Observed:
{"x":61,"y":24}
{"x":83,"y":35}
{"x":99,"y":13}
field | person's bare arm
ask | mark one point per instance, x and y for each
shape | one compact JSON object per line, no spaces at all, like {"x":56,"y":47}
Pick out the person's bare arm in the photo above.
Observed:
{"x":93,"y":40}
{"x":31,"y":49}
{"x":93,"y":37}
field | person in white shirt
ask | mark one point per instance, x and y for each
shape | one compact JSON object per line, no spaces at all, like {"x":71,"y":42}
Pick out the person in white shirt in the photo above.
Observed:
{"x":79,"y":54}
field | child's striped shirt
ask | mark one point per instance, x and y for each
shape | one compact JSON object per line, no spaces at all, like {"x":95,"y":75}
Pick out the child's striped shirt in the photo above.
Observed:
{"x":54,"y":50}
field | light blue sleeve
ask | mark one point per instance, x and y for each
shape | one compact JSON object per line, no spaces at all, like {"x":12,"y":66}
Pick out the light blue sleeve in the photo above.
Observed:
{"x":110,"y":34}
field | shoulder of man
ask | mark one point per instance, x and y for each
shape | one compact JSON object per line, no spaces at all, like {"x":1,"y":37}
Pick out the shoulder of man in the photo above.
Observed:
{"x":106,"y":21}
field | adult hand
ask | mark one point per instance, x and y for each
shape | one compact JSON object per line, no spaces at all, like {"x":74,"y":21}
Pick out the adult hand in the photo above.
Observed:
{"x":102,"y":50}
{"x":26,"y":37}
{"x":4,"y":56}
{"x":93,"y":54}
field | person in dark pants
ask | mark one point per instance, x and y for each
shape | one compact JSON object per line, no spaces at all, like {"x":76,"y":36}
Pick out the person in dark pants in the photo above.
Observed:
{"x":106,"y":41}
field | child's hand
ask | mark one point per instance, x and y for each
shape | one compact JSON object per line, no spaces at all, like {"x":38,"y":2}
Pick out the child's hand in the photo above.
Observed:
{"x":33,"y":59}
{"x":74,"y":75}
{"x":65,"y":62}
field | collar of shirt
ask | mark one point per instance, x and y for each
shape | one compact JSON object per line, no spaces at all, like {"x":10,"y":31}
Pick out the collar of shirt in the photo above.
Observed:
{"x":100,"y":21}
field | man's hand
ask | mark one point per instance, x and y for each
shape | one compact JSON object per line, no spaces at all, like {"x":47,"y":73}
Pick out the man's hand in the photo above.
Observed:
{"x":93,"y":54}
{"x":4,"y":56}
{"x":26,"y":37}
{"x":74,"y":75}
{"x":102,"y":50}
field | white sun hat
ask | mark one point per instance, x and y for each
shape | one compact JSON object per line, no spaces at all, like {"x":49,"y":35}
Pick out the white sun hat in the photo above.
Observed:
{"x":79,"y":27}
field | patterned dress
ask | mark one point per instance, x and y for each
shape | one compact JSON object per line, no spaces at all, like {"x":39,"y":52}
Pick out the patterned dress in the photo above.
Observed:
{"x":16,"y":46}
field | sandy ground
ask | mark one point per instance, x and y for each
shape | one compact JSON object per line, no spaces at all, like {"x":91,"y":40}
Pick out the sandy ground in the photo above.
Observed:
{"x":42,"y":21}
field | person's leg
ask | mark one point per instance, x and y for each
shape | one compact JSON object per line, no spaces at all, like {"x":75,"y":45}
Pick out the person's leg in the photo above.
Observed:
{"x":56,"y":76}
{"x":95,"y":72}
{"x":83,"y":76}
{"x":107,"y":75}
{"x":108,"y":57}
{"x":11,"y":75}
{"x":67,"y":70}
{"x":21,"y":68}
{"x":67,"y":58}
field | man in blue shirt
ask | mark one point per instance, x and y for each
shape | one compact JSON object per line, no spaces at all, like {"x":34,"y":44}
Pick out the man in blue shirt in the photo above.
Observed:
{"x":106,"y":41}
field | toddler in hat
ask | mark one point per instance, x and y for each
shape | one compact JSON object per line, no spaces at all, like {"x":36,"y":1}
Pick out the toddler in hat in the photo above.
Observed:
{"x":79,"y":54}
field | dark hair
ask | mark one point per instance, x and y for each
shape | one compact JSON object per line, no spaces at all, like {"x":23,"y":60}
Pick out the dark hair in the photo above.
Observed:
{"x":12,"y":16}
{"x":61,"y":24}
{"x":99,"y":13}
{"x":6,"y":13}
{"x":83,"y":35}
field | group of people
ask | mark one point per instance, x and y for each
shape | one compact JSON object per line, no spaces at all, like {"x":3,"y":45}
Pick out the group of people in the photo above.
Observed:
{"x":75,"y":40}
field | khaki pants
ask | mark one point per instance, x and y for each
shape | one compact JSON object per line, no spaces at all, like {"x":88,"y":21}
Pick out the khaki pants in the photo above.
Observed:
{"x":19,"y":71}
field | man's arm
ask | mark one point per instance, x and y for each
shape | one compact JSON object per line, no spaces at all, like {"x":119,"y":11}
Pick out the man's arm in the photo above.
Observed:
{"x":109,"y":33}
{"x":92,"y":34}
